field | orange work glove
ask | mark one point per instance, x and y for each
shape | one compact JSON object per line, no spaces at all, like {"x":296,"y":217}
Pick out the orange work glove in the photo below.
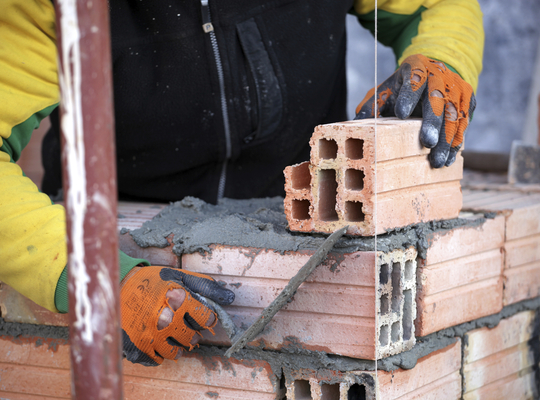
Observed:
{"x":431,"y":90}
{"x":151,"y":297}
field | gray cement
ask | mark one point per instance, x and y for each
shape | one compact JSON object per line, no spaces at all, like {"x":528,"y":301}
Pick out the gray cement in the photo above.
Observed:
{"x":261,"y":223}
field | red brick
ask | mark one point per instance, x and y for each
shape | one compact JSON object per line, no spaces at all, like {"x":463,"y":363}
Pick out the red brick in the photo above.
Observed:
{"x":131,"y":215}
{"x":435,"y":376}
{"x":522,"y":251}
{"x":339,"y":293}
{"x":462,"y":304}
{"x":498,"y":362}
{"x":466,"y":240}
{"x":461,"y":278}
{"x":522,"y":283}
{"x":337,"y":188}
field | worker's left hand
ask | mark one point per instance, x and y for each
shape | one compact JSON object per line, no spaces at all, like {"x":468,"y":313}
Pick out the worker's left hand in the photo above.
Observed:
{"x":162,"y":312}
{"x":429,"y":89}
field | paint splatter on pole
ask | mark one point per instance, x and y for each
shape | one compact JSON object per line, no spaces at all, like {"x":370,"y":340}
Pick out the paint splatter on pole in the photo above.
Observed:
{"x":89,"y":177}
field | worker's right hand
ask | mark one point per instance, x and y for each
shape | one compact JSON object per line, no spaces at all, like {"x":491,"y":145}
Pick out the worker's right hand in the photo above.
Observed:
{"x":427,"y":88}
{"x":160,"y":314}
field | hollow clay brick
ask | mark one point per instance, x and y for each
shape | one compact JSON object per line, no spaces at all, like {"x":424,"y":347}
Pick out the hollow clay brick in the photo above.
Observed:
{"x":461,"y":278}
{"x":435,"y":376}
{"x":498,"y":362}
{"x":29,"y":367}
{"x":343,"y":185}
{"x":341,"y":294}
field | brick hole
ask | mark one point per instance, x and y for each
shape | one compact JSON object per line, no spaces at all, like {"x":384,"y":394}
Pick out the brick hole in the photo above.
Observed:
{"x":409,"y":270}
{"x":302,"y":390}
{"x":327,"y":148}
{"x":407,"y":314}
{"x":383,"y":336}
{"x":395,"y":332}
{"x":354,"y":179}
{"x":354,"y":149}
{"x":396,"y":287}
{"x":353,"y":211}
{"x":330,"y":392}
{"x":301,"y":178}
{"x":384,"y":274}
{"x":327,"y":195}
{"x":300,"y":209}
{"x":356,"y":392}
{"x":385,"y":304}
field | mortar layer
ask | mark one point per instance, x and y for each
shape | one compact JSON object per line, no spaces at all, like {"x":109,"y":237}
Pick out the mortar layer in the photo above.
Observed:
{"x":195,"y":225}
{"x":294,"y":357}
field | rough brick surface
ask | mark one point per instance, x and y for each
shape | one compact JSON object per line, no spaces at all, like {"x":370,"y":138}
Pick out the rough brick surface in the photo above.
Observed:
{"x":435,"y":376}
{"x":499,"y":362}
{"x":30,"y":368}
{"x":343,"y":185}
{"x":339,"y":294}
{"x":461,"y":278}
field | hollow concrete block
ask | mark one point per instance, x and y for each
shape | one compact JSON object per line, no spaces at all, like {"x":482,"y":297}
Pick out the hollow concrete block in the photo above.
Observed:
{"x":347,"y":183}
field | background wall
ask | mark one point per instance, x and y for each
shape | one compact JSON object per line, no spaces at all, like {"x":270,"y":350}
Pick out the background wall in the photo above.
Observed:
{"x":512,"y":32}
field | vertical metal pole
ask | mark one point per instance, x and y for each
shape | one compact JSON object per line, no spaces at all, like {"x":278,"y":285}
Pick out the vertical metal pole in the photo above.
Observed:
{"x":89,"y":178}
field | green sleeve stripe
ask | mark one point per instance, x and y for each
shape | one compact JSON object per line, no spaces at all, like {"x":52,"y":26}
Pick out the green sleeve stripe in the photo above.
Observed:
{"x":21,"y":134}
{"x":61,"y":295}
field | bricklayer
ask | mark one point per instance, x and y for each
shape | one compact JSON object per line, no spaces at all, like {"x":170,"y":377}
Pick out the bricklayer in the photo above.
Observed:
{"x":499,"y":362}
{"x":337,"y":187}
{"x":461,"y":278}
{"x":30,"y":370}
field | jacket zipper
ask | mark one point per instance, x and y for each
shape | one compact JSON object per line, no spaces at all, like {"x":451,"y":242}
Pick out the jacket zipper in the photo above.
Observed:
{"x":209,"y":29}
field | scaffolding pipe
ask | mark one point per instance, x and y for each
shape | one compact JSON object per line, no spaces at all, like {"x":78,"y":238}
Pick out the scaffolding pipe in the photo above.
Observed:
{"x":89,"y":181}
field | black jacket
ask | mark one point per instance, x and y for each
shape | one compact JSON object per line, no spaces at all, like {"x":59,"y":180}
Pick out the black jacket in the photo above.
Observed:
{"x":276,"y":69}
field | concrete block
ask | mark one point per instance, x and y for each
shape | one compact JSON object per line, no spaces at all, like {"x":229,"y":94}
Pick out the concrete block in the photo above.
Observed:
{"x":461,"y":278}
{"x":435,"y":376}
{"x":341,"y":294}
{"x":338,"y":186}
{"x":499,"y":362}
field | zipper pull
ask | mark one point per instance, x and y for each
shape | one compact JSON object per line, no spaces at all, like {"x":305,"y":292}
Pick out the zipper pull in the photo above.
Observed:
{"x":207,"y":23}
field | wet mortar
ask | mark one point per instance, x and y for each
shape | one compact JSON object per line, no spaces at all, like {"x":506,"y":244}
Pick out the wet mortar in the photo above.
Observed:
{"x":261,"y":223}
